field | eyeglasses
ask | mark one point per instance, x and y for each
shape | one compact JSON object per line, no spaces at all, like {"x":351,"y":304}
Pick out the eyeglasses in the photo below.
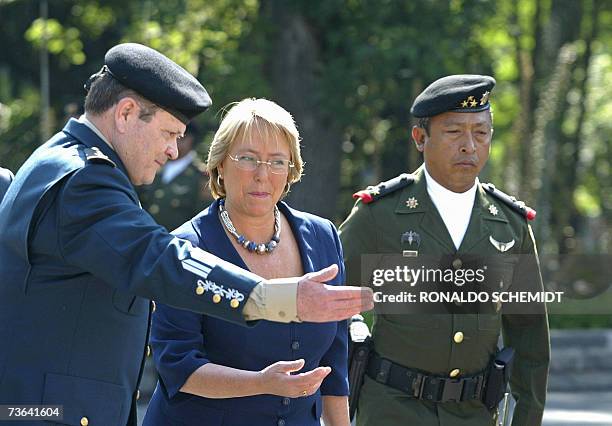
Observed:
{"x":250,"y":164}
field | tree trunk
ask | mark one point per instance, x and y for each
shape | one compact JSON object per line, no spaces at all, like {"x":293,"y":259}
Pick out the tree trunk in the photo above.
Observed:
{"x":529,"y":64}
{"x":554,"y":57}
{"x":568,"y":181}
{"x":292,"y":64}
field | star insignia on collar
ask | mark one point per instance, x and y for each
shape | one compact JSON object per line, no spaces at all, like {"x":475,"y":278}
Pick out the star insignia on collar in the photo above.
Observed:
{"x":411,"y":203}
{"x":485,"y":98}
{"x":493,"y":209}
{"x":473,"y":103}
{"x":464,"y":104}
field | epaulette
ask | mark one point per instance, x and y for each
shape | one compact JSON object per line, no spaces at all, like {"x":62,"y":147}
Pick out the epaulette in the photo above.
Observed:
{"x":510,"y":201}
{"x":373,"y":193}
{"x":94,"y":155}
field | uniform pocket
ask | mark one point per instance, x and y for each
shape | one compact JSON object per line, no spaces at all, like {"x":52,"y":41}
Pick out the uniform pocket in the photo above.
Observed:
{"x":500,"y":272}
{"x":101,"y":403}
{"x":130,"y":304}
{"x":418,"y":321}
{"x":489,"y":322}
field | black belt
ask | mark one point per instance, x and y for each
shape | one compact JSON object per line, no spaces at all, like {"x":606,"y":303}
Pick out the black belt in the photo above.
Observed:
{"x":420,"y":385}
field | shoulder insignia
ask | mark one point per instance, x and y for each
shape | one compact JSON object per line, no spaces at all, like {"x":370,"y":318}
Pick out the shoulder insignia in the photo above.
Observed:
{"x":510,"y":201}
{"x":94,"y":155}
{"x":373,"y":193}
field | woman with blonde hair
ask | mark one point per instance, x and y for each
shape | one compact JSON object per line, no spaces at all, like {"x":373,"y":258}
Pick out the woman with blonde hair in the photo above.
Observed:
{"x":216,"y":373}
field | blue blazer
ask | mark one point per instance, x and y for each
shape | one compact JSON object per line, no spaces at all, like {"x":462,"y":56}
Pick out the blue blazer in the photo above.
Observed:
{"x":183,"y":341}
{"x":78,"y":260}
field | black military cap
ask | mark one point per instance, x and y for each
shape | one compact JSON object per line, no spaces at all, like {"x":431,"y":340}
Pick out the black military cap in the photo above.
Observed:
{"x":457,"y":93}
{"x":156,"y":78}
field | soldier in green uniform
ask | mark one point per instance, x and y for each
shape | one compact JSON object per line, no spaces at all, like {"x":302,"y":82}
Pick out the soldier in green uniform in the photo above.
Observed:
{"x":180,"y":189}
{"x":429,"y":369}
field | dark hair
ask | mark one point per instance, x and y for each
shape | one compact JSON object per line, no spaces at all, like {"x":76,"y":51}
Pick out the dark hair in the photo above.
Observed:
{"x":106,"y":91}
{"x":423,"y":123}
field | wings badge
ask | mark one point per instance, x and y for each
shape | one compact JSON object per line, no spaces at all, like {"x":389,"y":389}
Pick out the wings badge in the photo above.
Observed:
{"x":502,"y":247}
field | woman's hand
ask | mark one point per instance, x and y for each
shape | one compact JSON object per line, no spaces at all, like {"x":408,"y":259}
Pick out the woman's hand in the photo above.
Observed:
{"x":276,"y":379}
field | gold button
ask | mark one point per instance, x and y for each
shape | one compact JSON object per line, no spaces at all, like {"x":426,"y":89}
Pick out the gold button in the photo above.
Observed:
{"x":153,"y":306}
{"x":148,"y":350}
{"x":216,"y":298}
{"x":458,"y":337}
{"x":454,"y":373}
{"x":84,"y":421}
{"x":234,"y":303}
{"x":137,"y":394}
{"x":199,"y":290}
{"x":457,"y":263}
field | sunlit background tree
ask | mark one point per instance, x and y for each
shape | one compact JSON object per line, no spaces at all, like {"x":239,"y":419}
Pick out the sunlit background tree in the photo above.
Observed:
{"x":348,"y":70}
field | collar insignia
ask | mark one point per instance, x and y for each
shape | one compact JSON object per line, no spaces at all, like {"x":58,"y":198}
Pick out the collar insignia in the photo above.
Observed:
{"x":412,"y":203}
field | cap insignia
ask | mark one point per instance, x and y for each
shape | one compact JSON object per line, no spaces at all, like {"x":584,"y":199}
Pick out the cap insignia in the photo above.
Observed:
{"x":485,"y":98}
{"x":472,"y":102}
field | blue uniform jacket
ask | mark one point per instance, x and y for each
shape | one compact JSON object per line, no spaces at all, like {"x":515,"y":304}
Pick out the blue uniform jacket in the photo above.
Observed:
{"x":6,"y":177}
{"x":183,"y":341}
{"x":78,"y":260}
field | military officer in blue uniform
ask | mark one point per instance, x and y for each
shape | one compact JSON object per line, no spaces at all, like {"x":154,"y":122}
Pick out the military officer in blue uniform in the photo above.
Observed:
{"x":80,"y":259}
{"x":6,"y":177}
{"x":431,"y":369}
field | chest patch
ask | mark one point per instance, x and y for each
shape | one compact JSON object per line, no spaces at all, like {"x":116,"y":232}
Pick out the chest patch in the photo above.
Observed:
{"x":502,"y":247}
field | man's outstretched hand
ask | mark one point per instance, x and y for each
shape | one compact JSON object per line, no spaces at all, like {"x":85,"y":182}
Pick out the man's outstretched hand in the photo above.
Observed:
{"x":319,"y":302}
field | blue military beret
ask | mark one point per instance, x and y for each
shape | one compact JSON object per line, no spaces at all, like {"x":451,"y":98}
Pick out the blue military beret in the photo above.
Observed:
{"x":157,"y":78}
{"x":457,"y":93}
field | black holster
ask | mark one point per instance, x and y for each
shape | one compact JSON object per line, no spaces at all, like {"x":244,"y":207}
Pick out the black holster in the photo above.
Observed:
{"x":498,"y":377}
{"x":360,"y":347}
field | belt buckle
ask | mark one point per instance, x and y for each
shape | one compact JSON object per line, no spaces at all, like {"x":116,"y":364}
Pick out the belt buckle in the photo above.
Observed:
{"x":452,"y":390}
{"x":418,"y":385}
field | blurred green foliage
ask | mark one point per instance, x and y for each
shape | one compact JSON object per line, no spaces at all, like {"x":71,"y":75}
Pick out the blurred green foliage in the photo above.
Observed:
{"x":580,"y":321}
{"x":365,"y":63}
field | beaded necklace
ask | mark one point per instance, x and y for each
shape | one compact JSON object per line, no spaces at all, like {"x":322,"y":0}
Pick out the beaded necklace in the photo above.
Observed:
{"x":262,"y":248}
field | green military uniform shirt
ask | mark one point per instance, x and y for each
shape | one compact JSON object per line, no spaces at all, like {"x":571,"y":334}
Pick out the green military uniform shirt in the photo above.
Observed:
{"x":441,"y":343}
{"x":172,"y":204}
